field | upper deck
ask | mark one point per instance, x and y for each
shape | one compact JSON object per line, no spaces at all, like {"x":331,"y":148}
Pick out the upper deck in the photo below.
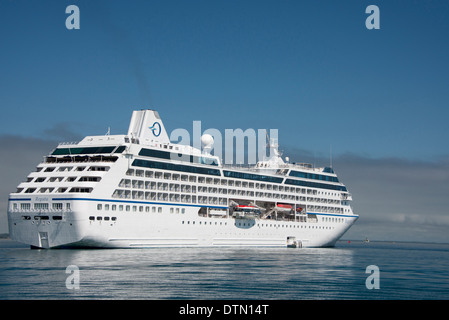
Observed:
{"x":83,"y":161}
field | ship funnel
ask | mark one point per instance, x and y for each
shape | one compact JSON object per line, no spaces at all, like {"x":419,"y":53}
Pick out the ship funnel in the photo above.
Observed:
{"x":146,"y":125}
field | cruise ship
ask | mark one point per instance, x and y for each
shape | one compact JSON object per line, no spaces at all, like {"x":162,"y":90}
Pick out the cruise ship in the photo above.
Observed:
{"x":140,"y":190}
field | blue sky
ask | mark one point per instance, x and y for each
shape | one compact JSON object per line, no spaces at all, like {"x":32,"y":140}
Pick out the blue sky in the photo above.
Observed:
{"x":310,"y":69}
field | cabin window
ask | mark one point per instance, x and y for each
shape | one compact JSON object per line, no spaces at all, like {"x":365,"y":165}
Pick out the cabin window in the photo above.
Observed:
{"x":57,"y":206}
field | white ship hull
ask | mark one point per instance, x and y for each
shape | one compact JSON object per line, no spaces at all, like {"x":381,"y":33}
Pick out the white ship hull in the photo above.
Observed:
{"x":165,"y":229}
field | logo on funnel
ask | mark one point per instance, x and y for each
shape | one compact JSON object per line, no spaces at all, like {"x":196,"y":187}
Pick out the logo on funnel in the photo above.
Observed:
{"x":156,"y":129}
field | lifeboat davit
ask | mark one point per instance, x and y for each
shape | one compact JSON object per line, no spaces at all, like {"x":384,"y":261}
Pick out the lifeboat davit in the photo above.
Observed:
{"x":246,"y":212}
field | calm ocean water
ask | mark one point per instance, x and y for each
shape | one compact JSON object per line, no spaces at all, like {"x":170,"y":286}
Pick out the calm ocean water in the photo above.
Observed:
{"x":406,"y":271}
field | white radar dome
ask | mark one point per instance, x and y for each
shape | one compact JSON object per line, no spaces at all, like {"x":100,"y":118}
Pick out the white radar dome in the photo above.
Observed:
{"x":207,"y":140}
